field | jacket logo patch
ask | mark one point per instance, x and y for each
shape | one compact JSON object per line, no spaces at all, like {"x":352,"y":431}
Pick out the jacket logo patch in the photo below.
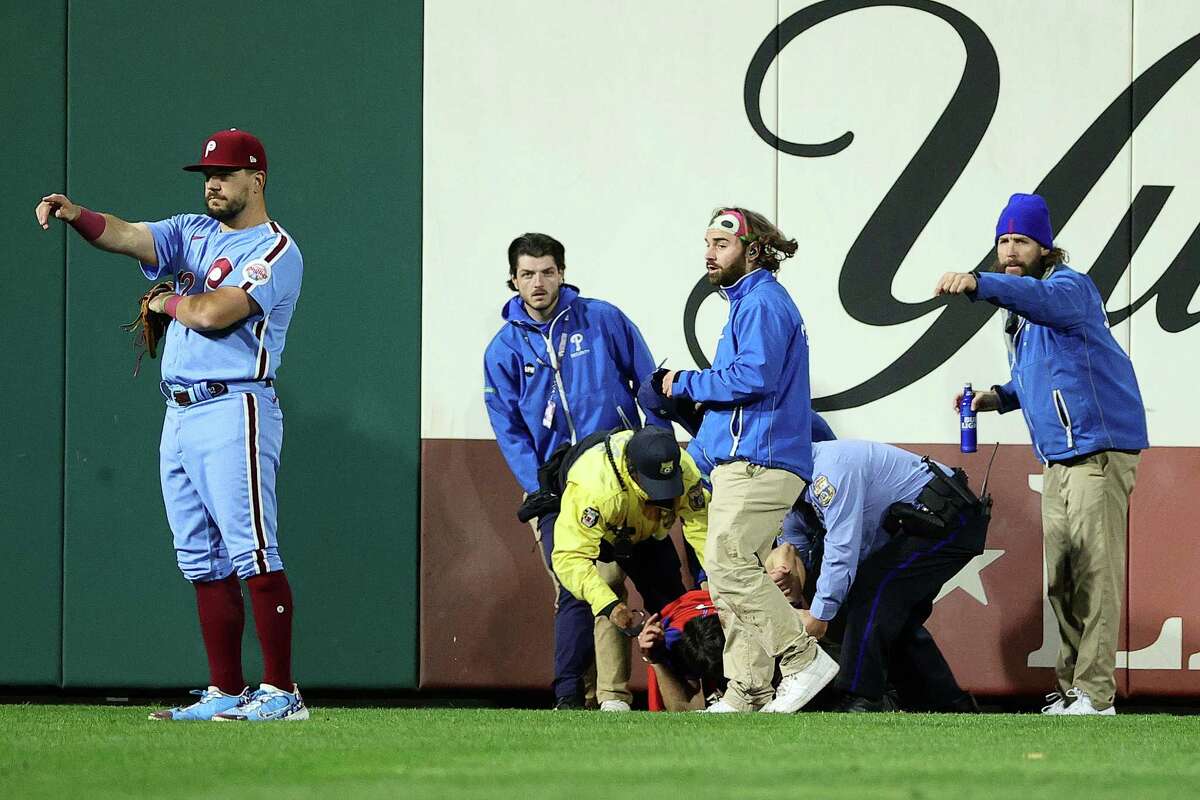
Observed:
{"x":577,"y":344}
{"x":590,"y":517}
{"x":823,"y":491}
{"x":696,"y":497}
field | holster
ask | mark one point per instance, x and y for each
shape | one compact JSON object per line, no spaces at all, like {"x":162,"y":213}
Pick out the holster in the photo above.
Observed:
{"x":942,"y":506}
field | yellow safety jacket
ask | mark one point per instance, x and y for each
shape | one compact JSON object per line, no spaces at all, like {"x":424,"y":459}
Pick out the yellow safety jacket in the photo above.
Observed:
{"x":598,"y":503}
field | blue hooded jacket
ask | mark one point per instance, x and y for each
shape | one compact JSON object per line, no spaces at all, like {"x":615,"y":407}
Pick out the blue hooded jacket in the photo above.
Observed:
{"x":757,"y":396}
{"x":551,"y":382}
{"x":1070,"y":378}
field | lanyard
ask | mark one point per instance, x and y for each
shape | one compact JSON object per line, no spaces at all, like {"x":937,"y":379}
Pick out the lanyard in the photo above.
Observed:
{"x":562,"y":347}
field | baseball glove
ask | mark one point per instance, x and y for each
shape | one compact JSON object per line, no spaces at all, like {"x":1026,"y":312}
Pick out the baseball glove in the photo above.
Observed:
{"x":150,"y":326}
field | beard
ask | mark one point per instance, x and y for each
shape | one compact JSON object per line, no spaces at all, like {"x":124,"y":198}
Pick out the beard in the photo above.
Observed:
{"x":725,"y":277}
{"x":1036,"y":270}
{"x":233,"y":207}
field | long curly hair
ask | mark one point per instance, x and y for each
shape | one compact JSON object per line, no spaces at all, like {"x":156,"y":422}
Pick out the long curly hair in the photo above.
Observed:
{"x":774,"y":245}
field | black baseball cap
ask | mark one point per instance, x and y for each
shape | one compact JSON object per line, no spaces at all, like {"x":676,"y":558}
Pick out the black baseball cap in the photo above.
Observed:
{"x":653,"y":456}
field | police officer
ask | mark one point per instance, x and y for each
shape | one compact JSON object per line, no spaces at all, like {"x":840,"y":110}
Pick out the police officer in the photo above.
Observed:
{"x":622,"y":495}
{"x":886,"y":529}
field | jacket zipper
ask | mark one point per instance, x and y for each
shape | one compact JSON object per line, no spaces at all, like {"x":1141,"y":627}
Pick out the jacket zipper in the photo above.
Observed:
{"x":736,"y":417}
{"x":1064,"y":417}
{"x":558,"y":381}
{"x":1024,"y":411}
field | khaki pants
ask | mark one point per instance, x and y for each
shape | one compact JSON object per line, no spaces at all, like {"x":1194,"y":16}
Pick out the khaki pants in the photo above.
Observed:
{"x":748,"y":505}
{"x":1085,"y":509}
{"x":612,"y":646}
{"x":608,"y":678}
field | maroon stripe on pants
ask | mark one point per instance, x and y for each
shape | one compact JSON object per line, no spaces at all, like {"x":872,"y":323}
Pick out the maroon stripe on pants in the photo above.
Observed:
{"x":256,"y":522}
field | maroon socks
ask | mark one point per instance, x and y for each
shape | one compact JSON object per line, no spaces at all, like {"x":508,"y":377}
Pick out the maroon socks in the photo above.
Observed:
{"x":271,"y":597}
{"x":222,"y":617}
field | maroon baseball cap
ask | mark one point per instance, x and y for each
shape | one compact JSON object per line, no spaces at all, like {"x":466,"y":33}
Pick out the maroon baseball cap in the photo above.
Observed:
{"x":233,"y":149}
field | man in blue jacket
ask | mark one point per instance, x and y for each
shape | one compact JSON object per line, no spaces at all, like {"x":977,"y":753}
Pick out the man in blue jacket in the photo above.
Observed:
{"x":756,"y":443}
{"x":562,"y":367}
{"x":1078,"y":392}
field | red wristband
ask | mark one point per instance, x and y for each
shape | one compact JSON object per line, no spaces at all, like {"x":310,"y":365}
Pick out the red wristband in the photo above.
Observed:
{"x":89,"y":224}
{"x":172,"y":303}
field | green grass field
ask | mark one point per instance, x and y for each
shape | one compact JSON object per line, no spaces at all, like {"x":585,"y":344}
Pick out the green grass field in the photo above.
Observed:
{"x":79,"y":752}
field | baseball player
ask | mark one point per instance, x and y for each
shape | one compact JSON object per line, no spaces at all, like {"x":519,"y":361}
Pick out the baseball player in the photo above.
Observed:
{"x":237,"y":276}
{"x":561,"y":368}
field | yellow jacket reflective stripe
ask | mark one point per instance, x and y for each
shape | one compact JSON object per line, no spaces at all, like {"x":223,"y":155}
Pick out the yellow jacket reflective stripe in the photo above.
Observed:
{"x":595,"y":506}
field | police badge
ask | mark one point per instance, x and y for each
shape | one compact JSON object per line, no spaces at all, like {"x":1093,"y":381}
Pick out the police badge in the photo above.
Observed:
{"x":590,"y":517}
{"x":823,"y":491}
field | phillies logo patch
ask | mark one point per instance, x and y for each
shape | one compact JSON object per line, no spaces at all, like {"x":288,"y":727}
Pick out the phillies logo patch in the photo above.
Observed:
{"x":590,"y":517}
{"x":218,"y":272}
{"x":257,"y":273}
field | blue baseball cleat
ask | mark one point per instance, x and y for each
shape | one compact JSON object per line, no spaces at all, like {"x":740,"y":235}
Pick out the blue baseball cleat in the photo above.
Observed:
{"x":267,"y":704}
{"x":212,"y":702}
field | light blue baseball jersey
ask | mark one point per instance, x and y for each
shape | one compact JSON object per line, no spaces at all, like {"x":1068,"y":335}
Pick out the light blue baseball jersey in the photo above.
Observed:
{"x":853,"y":484}
{"x":264,"y":261}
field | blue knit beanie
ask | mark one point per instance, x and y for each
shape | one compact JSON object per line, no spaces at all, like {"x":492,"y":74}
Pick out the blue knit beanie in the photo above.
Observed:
{"x":1027,"y":215}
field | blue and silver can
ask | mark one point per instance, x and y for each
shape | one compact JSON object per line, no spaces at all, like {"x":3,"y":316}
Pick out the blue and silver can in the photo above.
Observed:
{"x":966,"y":421}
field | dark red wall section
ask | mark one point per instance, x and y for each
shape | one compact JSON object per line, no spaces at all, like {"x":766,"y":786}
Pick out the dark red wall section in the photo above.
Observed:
{"x":486,"y":602}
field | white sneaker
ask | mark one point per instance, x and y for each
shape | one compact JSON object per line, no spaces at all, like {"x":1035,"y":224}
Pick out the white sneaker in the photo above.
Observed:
{"x":615,"y":705}
{"x":797,"y":689}
{"x":1083,"y":706}
{"x":1056,"y":705}
{"x":720,"y":707}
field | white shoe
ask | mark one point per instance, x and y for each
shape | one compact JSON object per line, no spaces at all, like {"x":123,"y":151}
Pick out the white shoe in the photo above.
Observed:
{"x":1083,"y":706}
{"x":1056,"y":705}
{"x":797,"y":689}
{"x":615,"y":705}
{"x":720,"y":707}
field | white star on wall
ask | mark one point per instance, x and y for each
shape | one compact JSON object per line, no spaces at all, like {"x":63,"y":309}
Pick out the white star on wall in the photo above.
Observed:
{"x":968,"y":578}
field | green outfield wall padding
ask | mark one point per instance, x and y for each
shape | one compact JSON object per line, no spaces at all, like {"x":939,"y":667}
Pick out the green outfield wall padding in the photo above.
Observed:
{"x":335,"y":95}
{"x":32,"y":106}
